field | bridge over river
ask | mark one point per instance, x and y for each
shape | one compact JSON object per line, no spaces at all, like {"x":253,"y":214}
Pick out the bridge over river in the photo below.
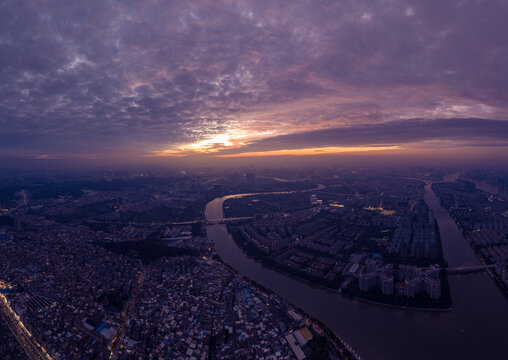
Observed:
{"x":468,"y":269}
{"x":223,"y":221}
{"x":391,"y":334}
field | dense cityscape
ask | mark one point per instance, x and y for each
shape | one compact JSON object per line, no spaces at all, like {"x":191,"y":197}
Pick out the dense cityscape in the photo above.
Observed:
{"x":342,"y":239}
{"x":88,"y":279}
{"x":122,"y":265}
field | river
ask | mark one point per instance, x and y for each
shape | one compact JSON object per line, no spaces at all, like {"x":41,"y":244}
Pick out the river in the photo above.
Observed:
{"x":475,"y":329}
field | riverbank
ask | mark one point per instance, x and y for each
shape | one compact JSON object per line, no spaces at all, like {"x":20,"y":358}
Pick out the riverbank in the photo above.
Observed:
{"x":401,"y":307}
{"x":438,"y":335}
{"x":493,"y":275}
{"x":419,"y":303}
{"x":443,"y":304}
{"x":317,"y":325}
{"x":503,"y":287}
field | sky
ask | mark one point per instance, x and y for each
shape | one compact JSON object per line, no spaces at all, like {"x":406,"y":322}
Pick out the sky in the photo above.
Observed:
{"x":216,"y":80}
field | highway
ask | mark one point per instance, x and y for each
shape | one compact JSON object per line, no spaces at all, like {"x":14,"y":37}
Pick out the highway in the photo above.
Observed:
{"x":32,"y":348}
{"x":126,"y":314}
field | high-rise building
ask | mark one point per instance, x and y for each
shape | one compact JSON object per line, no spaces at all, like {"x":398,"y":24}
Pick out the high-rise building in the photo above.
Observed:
{"x":421,"y":279}
{"x":385,"y":282}
{"x":375,"y":276}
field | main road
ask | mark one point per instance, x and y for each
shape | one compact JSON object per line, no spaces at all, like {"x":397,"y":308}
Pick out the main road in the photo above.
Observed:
{"x":475,"y":329}
{"x":32,"y":348}
{"x":126,"y":315}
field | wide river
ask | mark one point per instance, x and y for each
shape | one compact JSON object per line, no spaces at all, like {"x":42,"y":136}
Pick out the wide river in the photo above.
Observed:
{"x":476,"y":328}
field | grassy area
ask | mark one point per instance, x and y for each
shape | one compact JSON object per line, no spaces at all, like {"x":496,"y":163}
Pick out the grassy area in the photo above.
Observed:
{"x":263,"y":204}
{"x":146,"y":250}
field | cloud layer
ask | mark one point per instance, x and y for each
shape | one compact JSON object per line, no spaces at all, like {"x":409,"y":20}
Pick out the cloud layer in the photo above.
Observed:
{"x":461,"y":132}
{"x":99,"y":78}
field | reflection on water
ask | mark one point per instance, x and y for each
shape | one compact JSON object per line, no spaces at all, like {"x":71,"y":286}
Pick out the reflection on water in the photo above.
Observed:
{"x":475,"y":329}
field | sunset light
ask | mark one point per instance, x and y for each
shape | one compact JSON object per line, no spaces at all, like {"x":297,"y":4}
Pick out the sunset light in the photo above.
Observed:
{"x":253,"y":179}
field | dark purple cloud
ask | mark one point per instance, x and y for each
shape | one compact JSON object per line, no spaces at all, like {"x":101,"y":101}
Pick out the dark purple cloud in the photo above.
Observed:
{"x":468,"y":132}
{"x":81,"y":77}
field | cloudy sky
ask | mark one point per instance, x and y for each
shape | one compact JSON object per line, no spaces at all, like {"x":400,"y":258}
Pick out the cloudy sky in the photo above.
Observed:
{"x":171,"y":79}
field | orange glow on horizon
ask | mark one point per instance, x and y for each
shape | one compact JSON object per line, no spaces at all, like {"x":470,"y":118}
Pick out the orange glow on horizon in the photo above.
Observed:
{"x":232,"y":139}
{"x":287,"y":152}
{"x":312,"y":151}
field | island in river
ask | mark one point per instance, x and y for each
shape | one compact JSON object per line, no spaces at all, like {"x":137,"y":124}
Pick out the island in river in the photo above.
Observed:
{"x":384,"y":249}
{"x":474,"y":329}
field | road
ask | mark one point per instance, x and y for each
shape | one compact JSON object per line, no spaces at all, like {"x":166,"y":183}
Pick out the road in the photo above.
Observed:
{"x":126,"y":315}
{"x":32,"y":348}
